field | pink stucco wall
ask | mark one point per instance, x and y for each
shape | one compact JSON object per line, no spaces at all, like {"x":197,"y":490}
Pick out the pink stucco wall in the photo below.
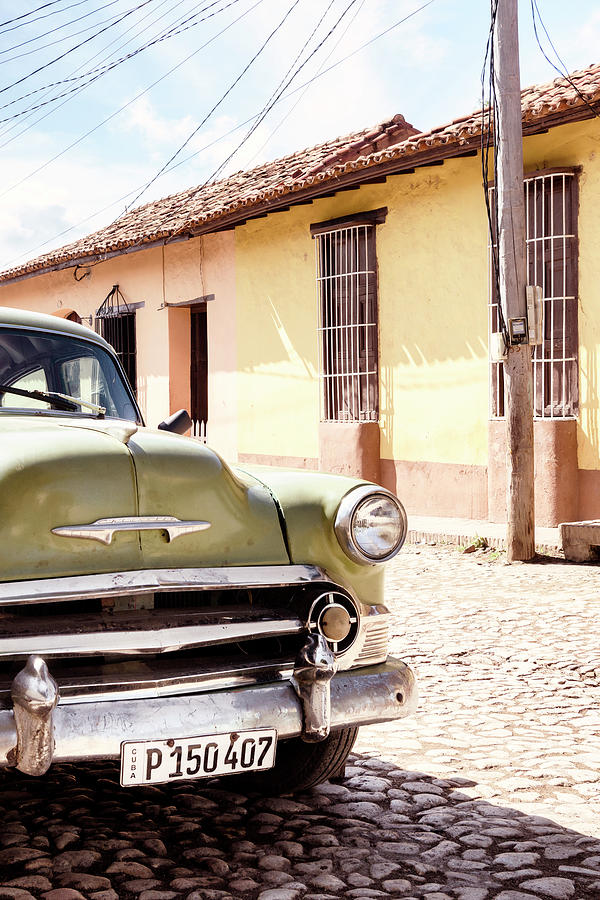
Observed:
{"x":174,"y":274}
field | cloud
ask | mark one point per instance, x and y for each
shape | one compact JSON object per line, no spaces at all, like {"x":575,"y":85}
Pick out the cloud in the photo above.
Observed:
{"x":581,"y":48}
{"x":144,"y":120}
{"x":61,"y":198}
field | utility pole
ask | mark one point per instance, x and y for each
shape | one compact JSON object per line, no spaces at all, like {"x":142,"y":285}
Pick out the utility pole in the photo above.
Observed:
{"x":520,"y":543}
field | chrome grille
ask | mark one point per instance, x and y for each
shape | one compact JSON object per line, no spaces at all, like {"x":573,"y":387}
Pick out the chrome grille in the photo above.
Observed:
{"x":375,"y":644}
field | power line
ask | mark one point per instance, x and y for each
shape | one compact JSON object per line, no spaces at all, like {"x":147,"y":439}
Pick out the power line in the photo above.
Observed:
{"x":26,"y":15}
{"x":59,"y":40}
{"x":221,"y":99}
{"x":108,"y":67}
{"x":221,"y":137}
{"x":76,"y":46}
{"x":129,"y":102}
{"x":564,"y":72}
{"x":51,"y":31}
{"x":489,"y":127}
{"x":95,"y":56}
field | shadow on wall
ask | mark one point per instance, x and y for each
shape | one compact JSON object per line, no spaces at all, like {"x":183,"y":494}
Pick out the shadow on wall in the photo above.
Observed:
{"x":289,"y":333}
{"x":440,"y":348}
{"x":393,"y":832}
{"x":277,"y":340}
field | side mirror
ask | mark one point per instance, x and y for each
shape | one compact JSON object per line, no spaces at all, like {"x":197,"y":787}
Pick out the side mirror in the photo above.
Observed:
{"x":179,"y":422}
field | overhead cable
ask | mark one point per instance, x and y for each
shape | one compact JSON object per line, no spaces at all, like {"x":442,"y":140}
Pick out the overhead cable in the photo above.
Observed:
{"x":130,"y":102}
{"x":220,"y":100}
{"x":98,"y":54}
{"x":76,"y":46}
{"x":490,"y":137}
{"x":226,"y":134}
{"x":535,"y":12}
{"x":108,"y":67}
{"x":65,"y":37}
{"x":31,"y":12}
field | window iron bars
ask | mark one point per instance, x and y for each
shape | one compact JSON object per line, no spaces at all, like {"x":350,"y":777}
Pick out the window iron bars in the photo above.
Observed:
{"x":551,"y":248}
{"x":346,"y":277}
{"x":115,"y":321}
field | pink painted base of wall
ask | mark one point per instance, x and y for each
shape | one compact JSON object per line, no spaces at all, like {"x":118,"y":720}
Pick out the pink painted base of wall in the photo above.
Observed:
{"x":589,"y":495}
{"x":557,"y":490}
{"x":437,"y":489}
{"x":350,"y":448}
{"x":425,"y":488}
{"x":441,"y":489}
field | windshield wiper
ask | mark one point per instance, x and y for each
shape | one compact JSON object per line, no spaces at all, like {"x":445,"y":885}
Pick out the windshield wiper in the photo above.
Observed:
{"x":63,"y":402}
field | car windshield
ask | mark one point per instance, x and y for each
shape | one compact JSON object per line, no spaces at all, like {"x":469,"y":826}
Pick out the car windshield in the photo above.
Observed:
{"x":38,"y":361}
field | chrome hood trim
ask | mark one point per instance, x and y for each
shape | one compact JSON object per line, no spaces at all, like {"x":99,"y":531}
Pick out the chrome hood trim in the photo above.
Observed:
{"x":115,"y":584}
{"x":103,"y":530}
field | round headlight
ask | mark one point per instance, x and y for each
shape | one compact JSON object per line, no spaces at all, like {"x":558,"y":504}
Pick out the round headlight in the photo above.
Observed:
{"x":370,"y":525}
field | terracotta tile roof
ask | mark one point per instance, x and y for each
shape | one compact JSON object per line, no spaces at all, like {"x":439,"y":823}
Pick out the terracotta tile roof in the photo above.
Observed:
{"x":180,"y":211}
{"x":393,"y":142}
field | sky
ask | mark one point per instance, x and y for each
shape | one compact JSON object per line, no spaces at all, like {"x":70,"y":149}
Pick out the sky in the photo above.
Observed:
{"x":78,"y":161}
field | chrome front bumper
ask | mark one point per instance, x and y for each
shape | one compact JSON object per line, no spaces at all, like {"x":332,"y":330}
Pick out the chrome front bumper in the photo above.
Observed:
{"x":37,"y":731}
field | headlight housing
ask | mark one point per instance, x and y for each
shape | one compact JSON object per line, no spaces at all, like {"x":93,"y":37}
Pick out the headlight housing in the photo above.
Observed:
{"x":370,"y":525}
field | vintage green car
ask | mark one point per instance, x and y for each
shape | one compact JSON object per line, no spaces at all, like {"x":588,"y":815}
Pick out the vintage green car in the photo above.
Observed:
{"x":162,"y":608}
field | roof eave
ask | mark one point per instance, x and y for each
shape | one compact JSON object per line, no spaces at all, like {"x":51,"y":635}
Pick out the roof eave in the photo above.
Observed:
{"x":359,"y":172}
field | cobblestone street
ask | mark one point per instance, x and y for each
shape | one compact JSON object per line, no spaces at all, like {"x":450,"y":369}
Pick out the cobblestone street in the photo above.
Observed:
{"x":492,"y":790}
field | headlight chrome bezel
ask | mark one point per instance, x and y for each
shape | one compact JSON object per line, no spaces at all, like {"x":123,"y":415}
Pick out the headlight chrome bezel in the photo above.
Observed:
{"x":344,"y":523}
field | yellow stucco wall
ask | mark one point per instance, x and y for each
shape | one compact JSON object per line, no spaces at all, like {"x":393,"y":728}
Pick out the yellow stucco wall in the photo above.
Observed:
{"x":278,"y":395}
{"x":433,"y":317}
{"x":219,"y":265}
{"x":431,"y":255}
{"x":263,"y":357}
{"x":432,"y":259}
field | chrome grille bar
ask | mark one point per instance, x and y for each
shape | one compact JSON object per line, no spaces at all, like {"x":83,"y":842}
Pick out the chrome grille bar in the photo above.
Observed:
{"x":161,"y":640}
{"x":139,"y":685}
{"x":115,"y":584}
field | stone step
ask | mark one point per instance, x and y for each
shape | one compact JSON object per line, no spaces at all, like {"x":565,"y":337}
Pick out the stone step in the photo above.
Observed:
{"x":581,"y":540}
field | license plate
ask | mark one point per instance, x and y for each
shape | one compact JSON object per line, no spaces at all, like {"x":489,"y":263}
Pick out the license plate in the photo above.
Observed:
{"x":158,"y":762}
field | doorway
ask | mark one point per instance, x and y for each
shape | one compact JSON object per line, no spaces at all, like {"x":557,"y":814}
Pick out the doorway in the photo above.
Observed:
{"x":199,"y":371}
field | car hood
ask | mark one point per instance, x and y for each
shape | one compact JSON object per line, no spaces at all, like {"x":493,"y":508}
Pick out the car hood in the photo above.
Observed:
{"x":60,"y":472}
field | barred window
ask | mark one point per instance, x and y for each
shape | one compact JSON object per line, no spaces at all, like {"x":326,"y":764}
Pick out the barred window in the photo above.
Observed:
{"x":347,"y":299}
{"x":115,"y":321}
{"x":551,"y":223}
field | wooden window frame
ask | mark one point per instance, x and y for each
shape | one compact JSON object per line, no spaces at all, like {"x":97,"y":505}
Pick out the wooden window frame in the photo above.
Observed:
{"x":552,"y":262}
{"x":348,"y":323}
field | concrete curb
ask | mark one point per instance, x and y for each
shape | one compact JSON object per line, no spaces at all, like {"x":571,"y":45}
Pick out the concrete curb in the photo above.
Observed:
{"x":493,"y":541}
